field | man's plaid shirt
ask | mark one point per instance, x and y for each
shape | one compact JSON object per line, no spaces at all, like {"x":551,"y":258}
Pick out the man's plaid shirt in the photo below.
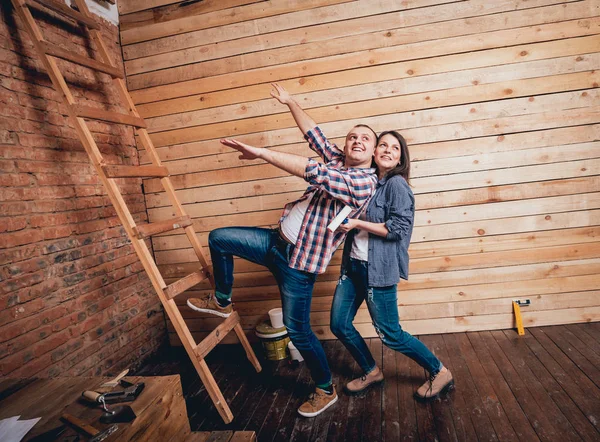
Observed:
{"x":332,"y":186}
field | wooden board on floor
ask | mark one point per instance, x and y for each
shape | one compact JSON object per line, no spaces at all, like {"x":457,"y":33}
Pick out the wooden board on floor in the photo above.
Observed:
{"x":162,"y":397}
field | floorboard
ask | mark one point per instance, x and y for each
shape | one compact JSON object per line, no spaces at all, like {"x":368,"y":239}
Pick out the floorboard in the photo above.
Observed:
{"x":442,"y":408}
{"x":565,"y":410}
{"x":491,"y":402}
{"x":373,"y":410}
{"x":538,"y":384}
{"x":541,"y":386}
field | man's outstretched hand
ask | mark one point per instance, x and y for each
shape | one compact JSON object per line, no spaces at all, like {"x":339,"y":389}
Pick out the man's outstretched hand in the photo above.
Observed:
{"x":247,"y":152}
{"x":280,"y":94}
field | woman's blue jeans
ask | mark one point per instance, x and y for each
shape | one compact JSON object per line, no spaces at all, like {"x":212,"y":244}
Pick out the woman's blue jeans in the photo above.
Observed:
{"x":351,"y":291}
{"x":261,"y":246}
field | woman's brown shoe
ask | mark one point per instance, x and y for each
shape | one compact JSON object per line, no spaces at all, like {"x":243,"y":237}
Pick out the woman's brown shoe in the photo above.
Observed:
{"x":435,"y":385}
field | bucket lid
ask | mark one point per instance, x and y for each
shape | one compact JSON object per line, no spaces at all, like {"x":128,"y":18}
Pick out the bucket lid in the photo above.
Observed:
{"x":265,"y":330}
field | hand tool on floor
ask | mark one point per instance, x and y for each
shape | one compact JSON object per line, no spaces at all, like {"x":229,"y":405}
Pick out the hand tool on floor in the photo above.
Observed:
{"x":120,"y":413}
{"x":97,"y":435}
{"x":518,"y":318}
{"x":113,"y":397}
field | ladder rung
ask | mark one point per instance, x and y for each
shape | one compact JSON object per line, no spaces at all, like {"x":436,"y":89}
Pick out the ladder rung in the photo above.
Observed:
{"x":145,"y":230}
{"x":83,"y":61}
{"x":135,"y":171}
{"x":63,"y":9}
{"x":104,"y":115}
{"x":183,"y":284}
{"x":217,"y":335}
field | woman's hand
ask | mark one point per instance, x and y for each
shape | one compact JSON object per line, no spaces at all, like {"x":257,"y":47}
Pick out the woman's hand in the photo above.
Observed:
{"x":281,"y":94}
{"x":351,"y":224}
{"x":247,"y":152}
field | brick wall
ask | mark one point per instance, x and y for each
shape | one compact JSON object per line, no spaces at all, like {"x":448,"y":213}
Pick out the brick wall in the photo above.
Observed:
{"x":74,"y":299}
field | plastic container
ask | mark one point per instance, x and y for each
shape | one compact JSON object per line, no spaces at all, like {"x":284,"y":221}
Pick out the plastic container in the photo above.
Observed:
{"x":276,"y":317}
{"x":274,"y":341}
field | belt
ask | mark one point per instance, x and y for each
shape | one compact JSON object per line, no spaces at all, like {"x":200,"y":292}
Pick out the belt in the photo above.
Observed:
{"x":284,"y":246}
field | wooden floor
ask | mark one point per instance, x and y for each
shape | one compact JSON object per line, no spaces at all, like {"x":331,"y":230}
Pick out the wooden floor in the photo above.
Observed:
{"x":543,"y":386}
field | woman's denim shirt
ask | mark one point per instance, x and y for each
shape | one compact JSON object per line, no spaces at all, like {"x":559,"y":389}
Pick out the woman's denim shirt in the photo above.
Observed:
{"x":394,"y":204}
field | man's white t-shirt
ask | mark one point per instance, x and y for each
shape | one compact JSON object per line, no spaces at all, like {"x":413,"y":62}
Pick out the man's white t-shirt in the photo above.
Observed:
{"x":360,"y":245}
{"x":290,"y":226}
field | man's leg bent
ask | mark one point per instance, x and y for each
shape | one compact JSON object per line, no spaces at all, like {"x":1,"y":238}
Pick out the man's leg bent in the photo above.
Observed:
{"x":251,"y":243}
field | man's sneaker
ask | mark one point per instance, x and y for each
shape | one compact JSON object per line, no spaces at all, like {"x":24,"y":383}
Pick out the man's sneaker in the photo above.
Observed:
{"x":317,"y":403}
{"x":209,"y":305}
{"x":435,"y":385}
{"x":363,"y":382}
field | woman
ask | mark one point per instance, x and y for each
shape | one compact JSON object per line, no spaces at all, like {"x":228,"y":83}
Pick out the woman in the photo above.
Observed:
{"x":375,"y":258}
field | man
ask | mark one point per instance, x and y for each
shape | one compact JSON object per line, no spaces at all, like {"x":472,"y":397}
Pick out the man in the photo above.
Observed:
{"x":302,"y":246}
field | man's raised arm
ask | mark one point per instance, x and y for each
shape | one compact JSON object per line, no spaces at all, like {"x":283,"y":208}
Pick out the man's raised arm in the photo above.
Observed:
{"x":353,"y":187}
{"x":316,"y":139}
{"x":294,"y":164}
{"x":304,"y":122}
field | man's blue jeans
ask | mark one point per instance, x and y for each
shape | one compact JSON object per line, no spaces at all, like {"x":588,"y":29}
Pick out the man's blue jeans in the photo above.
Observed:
{"x":295,"y":286}
{"x":351,"y":291}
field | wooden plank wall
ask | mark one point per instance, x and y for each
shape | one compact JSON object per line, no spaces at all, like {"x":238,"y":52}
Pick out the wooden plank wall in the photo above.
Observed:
{"x":497,"y":99}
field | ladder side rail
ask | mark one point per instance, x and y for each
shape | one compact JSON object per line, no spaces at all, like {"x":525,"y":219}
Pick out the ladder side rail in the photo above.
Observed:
{"x":171,"y":308}
{"x":170,"y":305}
{"x":91,"y":148}
{"x":63,"y":10}
{"x":146,"y":142}
{"x":112,"y":189}
{"x":38,"y":40}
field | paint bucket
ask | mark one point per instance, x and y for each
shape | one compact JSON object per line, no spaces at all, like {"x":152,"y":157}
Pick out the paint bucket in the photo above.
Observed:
{"x":274,"y":341}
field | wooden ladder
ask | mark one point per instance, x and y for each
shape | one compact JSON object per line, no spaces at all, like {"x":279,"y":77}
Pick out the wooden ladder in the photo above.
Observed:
{"x":137,"y":233}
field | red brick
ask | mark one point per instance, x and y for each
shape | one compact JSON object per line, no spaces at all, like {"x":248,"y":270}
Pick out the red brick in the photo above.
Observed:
{"x":34,"y":367}
{"x":35,"y":140}
{"x":10,"y":224}
{"x":86,"y":325}
{"x":14,"y":179}
{"x":83,"y":353}
{"x":53,"y":206}
{"x":128,"y":303}
{"x":11,"y":363}
{"x":58,"y":232}
{"x":8,"y":137}
{"x":49,"y":219}
{"x":67,"y":266}
{"x":13,"y":111}
{"x":16,"y":208}
{"x":23,"y":341}
{"x":20,"y":281}
{"x":26,"y":294}
{"x":15,"y":255}
{"x":12,"y":330}
{"x":50,"y":343}
{"x":21,"y":311}
{"x":66,"y":349}
{"x":19,"y":238}
{"x":30,"y":266}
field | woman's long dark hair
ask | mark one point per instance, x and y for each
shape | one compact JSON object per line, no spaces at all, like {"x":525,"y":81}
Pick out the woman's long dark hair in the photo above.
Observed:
{"x":403,"y":168}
